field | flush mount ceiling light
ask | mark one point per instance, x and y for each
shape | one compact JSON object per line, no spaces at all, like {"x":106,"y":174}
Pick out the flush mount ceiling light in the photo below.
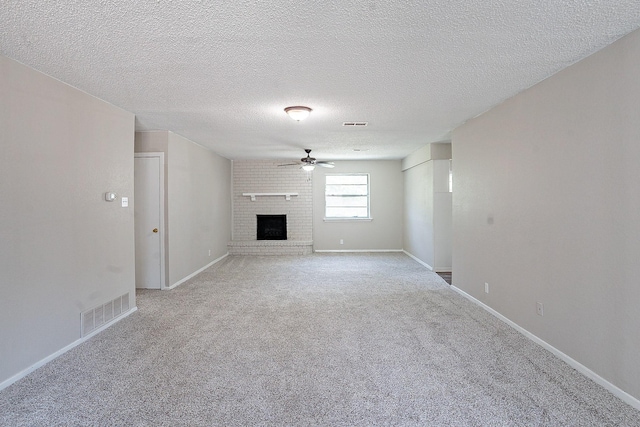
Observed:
{"x":298,"y":113}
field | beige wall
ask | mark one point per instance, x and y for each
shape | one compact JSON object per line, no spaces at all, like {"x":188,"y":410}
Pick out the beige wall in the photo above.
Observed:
{"x":198,"y":202}
{"x":384,"y":232}
{"x":63,"y":249}
{"x":547,"y":208}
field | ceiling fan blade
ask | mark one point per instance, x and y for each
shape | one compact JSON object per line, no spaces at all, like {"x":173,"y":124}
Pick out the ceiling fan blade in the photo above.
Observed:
{"x":309,"y":162}
{"x":326,"y":164}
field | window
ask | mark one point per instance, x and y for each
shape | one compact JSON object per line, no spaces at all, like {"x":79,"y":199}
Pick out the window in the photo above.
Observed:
{"x":347,"y":196}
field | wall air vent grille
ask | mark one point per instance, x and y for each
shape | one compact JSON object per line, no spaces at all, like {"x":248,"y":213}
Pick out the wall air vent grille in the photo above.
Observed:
{"x":103,"y":314}
{"x":355,"y":124}
{"x":108,"y":311}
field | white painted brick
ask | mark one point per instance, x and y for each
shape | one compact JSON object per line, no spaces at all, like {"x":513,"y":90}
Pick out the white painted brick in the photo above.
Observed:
{"x":265,"y":176}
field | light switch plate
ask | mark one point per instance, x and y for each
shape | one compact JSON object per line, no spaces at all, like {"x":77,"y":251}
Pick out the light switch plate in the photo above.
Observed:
{"x":125,"y":202}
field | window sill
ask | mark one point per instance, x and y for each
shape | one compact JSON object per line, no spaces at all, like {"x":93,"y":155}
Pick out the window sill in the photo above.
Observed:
{"x":347,"y":219}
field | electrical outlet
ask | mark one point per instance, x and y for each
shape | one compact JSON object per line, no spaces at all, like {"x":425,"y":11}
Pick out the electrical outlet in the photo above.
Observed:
{"x":486,"y":288}
{"x":209,"y":252}
{"x":341,"y":242}
{"x":539,"y":309}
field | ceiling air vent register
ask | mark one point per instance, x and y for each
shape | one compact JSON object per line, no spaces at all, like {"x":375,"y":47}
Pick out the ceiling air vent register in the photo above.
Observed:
{"x":355,"y":124}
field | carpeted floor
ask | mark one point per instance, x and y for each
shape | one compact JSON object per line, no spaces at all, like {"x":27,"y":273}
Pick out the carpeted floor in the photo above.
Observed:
{"x":324,"y":339}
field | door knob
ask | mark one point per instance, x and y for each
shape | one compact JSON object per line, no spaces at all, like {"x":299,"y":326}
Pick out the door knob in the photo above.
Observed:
{"x":155,"y":230}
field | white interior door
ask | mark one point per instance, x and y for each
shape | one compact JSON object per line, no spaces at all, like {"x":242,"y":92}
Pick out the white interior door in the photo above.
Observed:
{"x":149,"y":227}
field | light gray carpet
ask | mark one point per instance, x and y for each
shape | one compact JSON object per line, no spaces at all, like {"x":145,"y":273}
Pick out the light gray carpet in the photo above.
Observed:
{"x":348,"y":339}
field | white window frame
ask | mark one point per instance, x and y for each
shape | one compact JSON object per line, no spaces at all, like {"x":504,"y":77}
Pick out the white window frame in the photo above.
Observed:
{"x":344,"y":218}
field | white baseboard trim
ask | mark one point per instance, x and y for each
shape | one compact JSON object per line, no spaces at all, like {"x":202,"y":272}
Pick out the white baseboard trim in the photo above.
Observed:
{"x":616,"y":391}
{"x":6,"y":383}
{"x":355,"y":250}
{"x":195,"y":273}
{"x":419,"y":260}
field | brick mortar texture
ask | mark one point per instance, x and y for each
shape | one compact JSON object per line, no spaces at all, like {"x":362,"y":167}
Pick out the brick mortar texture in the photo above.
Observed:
{"x":265,"y":176}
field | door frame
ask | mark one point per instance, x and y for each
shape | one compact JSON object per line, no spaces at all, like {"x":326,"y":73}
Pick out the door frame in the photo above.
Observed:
{"x":161,"y":183}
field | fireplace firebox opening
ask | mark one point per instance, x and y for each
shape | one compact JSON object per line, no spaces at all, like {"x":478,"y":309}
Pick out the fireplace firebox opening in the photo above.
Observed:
{"x":272,"y":227}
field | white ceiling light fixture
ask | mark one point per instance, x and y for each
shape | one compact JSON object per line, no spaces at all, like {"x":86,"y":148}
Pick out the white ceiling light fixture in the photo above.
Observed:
{"x":298,"y":113}
{"x":308,"y":168}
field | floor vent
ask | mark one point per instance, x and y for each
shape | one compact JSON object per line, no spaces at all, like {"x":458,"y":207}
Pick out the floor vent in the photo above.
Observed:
{"x":103,"y":314}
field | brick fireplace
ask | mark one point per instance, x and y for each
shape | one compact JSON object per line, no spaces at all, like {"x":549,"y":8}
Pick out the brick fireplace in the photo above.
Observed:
{"x":261,"y":187}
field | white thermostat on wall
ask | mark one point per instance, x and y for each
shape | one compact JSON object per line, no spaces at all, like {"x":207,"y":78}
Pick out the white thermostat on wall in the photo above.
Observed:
{"x":109,"y":197}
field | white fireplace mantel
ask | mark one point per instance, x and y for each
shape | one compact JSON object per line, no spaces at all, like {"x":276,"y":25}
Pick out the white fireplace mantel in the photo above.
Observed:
{"x":253,"y":196}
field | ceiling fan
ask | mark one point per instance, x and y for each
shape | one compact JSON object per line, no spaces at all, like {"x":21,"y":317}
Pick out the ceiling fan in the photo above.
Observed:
{"x":309,"y":163}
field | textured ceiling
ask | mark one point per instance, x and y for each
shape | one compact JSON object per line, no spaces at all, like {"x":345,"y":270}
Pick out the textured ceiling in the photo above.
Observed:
{"x":221,"y":73}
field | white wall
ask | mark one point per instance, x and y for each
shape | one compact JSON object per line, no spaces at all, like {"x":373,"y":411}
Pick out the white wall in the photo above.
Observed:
{"x":418,"y":212}
{"x":63,"y":249}
{"x":427,"y":205}
{"x":199,"y":207}
{"x":442,"y":215}
{"x":384,"y":232}
{"x":198,"y":202}
{"x":547,"y":208}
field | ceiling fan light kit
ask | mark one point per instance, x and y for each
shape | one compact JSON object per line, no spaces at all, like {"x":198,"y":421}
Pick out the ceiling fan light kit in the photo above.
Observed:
{"x":298,"y":113}
{"x":309,"y":163}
